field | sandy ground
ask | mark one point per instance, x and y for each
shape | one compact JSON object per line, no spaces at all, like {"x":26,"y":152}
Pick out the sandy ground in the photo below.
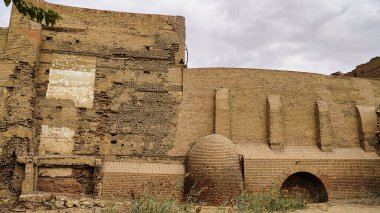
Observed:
{"x":339,"y":208}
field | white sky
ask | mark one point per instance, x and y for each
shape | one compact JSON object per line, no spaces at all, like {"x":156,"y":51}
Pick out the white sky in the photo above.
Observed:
{"x":321,"y":36}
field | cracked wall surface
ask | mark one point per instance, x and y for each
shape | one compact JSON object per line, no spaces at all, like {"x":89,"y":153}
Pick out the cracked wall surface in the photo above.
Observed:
{"x":101,"y":104}
{"x":72,"y":92}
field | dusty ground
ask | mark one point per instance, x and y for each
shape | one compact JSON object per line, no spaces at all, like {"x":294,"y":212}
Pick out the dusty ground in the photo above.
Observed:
{"x":319,"y":208}
{"x":313,"y":208}
{"x":340,"y":208}
{"x":369,"y":205}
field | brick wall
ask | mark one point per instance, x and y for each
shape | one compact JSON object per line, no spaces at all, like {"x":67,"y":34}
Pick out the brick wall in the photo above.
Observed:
{"x":346,"y":173}
{"x":343,"y":178}
{"x":130,"y":179}
{"x":112,"y":84}
{"x":134,"y":87}
{"x":137,"y":88}
{"x":66,"y":180}
{"x":249,"y":90}
{"x":3,"y":38}
{"x":18,"y":65}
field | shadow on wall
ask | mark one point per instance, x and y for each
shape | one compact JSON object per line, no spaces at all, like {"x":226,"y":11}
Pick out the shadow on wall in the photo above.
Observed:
{"x":306,"y":186}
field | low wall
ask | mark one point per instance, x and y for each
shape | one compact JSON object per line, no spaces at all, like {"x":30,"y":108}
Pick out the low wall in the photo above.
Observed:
{"x":346,"y":173}
{"x":130,"y":179}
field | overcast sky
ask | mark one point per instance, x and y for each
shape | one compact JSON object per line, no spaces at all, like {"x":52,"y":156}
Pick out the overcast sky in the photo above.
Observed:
{"x":321,"y":36}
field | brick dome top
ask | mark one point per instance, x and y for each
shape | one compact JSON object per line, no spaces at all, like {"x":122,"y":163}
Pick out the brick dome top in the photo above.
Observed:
{"x":214,"y":169}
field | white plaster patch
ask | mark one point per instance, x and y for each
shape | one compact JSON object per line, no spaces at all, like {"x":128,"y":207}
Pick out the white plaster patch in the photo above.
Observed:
{"x":72,"y":78}
{"x":56,"y":141}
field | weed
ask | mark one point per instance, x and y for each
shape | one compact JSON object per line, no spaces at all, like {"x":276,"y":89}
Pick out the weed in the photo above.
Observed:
{"x":270,"y":201}
{"x":148,"y":202}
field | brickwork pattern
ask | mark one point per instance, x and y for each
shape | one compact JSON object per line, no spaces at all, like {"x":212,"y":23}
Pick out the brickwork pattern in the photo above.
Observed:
{"x":214,"y":170}
{"x":343,"y":178}
{"x":79,"y":181}
{"x":249,"y":89}
{"x":129,"y":180}
{"x":3,"y":38}
{"x":18,"y":65}
{"x":137,"y":91}
{"x":142,"y":103}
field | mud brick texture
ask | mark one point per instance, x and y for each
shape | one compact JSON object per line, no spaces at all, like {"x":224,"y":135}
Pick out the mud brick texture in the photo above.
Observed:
{"x":342,"y":178}
{"x":105,"y":101}
{"x":79,"y":181}
{"x":130,"y":180}
{"x":249,"y":90}
{"x":214,"y":170}
{"x":134,"y":88}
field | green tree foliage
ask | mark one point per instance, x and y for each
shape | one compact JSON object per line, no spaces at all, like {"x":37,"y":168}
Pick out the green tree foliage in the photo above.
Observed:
{"x":35,"y":13}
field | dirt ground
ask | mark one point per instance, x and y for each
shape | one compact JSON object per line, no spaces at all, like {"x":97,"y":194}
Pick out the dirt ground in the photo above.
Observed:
{"x":312,"y":208}
{"x":340,"y":208}
{"x":369,"y":205}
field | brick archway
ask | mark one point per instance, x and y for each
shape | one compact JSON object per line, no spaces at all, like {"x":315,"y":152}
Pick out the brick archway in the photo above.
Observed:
{"x":307,"y":183}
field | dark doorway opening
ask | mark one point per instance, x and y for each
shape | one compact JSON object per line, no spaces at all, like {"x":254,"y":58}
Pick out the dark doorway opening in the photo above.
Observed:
{"x":305,"y":186}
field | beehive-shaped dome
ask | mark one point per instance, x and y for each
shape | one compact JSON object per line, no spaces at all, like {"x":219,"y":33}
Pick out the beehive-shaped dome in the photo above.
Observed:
{"x":214,"y":170}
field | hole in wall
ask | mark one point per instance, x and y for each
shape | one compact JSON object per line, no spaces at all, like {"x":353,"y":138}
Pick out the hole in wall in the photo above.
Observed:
{"x":306,"y":186}
{"x":146,"y":71}
{"x":114,"y":142}
{"x":49,"y":38}
{"x":77,"y":41}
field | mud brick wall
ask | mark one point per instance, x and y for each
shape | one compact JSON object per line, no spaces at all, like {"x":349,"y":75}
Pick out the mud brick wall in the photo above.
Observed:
{"x":370,"y":69}
{"x":249,"y":90}
{"x":130,"y":179}
{"x":88,"y":87}
{"x":137,"y":63}
{"x":3,"y":38}
{"x":66,"y":180}
{"x":343,"y":178}
{"x":18,"y":65}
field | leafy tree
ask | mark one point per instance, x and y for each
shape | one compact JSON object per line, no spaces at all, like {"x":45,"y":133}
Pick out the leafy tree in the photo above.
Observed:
{"x":35,"y":13}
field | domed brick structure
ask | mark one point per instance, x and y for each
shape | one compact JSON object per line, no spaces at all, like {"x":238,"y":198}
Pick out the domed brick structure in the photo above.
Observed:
{"x":214,"y":170}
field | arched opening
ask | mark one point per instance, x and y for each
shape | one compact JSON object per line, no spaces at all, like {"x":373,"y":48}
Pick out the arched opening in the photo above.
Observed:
{"x":305,"y":186}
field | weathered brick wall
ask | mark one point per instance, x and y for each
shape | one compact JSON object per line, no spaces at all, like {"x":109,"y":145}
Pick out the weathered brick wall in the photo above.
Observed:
{"x":249,"y":90}
{"x":111,"y":85}
{"x":66,"y":180}
{"x":3,"y":38}
{"x":98,"y":83}
{"x":370,"y":69}
{"x":18,"y":64}
{"x":345,"y":172}
{"x":137,"y":61}
{"x":343,"y":178}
